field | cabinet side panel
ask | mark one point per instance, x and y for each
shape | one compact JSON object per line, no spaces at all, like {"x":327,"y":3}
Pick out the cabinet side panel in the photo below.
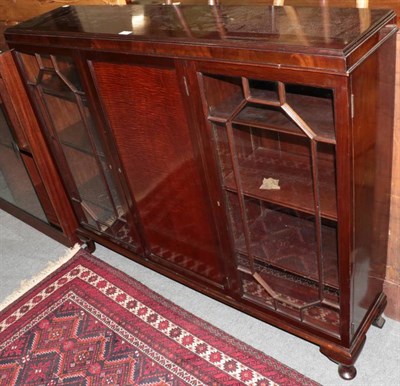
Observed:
{"x":145,"y":111}
{"x":373,"y":89}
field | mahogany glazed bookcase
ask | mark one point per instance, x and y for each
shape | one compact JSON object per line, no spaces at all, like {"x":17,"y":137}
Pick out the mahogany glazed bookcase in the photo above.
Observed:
{"x":244,"y":151}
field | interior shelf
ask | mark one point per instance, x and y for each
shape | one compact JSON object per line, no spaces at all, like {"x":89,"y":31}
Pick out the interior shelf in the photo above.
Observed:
{"x":265,"y":107}
{"x":66,"y":95}
{"x":51,"y":84}
{"x":222,"y":111}
{"x":77,"y":138}
{"x":268,"y":118}
{"x":261,"y":91}
{"x":316,"y":112}
{"x":295,"y":180}
{"x":288,"y":243}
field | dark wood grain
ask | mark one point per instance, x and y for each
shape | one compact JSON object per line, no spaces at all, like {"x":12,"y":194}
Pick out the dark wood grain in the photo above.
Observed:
{"x":166,"y":186}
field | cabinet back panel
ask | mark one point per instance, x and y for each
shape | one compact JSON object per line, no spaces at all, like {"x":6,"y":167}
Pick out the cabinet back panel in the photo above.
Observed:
{"x":145,"y":111}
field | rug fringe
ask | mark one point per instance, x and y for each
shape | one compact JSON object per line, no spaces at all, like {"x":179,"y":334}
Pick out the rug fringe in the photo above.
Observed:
{"x":27,"y":284}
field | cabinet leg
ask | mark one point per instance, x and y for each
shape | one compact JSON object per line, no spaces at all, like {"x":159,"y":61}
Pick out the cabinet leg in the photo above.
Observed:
{"x":379,"y":321}
{"x":347,"y":372}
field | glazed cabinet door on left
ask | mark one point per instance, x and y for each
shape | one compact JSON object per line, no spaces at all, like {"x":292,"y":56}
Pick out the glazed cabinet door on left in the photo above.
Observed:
{"x":82,"y":153}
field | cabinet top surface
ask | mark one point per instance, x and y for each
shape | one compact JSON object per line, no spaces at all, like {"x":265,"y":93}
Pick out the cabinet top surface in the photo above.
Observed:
{"x":333,"y":30}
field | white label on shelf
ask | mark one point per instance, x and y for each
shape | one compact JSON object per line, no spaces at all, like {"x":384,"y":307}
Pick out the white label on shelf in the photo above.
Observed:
{"x":124,"y":33}
{"x":270,"y":184}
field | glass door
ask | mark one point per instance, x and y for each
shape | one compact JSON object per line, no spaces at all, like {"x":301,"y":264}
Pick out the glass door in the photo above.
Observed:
{"x":275,"y":145}
{"x":86,"y":169}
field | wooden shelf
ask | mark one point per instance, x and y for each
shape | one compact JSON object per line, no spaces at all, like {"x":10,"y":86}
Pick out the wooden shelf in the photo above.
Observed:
{"x":287,"y":243}
{"x":314,"y":107}
{"x":263,"y":91}
{"x":268,"y":118}
{"x":74,"y":137}
{"x":295,"y":181}
{"x":66,"y":95}
{"x":317,"y":112}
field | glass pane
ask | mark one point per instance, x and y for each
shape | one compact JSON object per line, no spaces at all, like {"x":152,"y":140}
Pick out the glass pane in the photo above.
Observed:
{"x":314,"y":106}
{"x":79,"y":150}
{"x":273,"y":167}
{"x":276,"y":154}
{"x":66,"y":67}
{"x":45,"y":62}
{"x":296,"y":293}
{"x":223,"y":95}
{"x":285,"y":108}
{"x":15,"y":184}
{"x":262,"y":90}
{"x":222,"y":146}
{"x":279,"y":267}
{"x":267,"y":117}
{"x":30,"y":65}
{"x":286,"y":239}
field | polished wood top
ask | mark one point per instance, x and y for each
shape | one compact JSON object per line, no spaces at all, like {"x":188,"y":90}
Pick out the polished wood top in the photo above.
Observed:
{"x":307,"y":28}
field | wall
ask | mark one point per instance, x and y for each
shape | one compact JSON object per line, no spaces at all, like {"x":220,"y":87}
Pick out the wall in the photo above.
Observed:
{"x":392,"y":282}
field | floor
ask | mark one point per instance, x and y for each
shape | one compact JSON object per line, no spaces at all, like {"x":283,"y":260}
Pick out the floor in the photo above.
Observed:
{"x":24,"y":252}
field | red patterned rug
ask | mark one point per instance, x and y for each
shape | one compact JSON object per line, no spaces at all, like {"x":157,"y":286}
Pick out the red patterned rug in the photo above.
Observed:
{"x":90,"y":324}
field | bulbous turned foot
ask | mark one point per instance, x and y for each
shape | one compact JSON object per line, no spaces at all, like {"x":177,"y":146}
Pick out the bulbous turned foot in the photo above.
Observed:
{"x":90,"y":246}
{"x":347,"y":372}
